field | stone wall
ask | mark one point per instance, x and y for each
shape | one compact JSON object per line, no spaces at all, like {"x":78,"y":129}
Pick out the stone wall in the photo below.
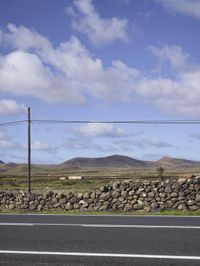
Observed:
{"x":149,"y":196}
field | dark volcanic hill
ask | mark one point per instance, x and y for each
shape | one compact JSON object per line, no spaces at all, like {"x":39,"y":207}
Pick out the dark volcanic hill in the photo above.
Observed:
{"x":110,"y":161}
{"x":1,"y":162}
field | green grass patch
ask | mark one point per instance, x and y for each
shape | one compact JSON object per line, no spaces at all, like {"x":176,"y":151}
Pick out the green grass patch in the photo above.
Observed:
{"x":135,"y":213}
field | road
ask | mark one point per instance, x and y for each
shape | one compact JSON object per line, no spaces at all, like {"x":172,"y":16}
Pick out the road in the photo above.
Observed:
{"x":99,"y":240}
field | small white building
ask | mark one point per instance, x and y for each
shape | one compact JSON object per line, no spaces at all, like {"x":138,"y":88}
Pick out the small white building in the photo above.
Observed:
{"x":75,"y":177}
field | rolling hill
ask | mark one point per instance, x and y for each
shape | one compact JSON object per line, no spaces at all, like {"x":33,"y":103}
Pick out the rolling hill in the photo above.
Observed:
{"x":169,"y":162}
{"x":110,"y":161}
{"x":121,"y":161}
{"x":113,"y":161}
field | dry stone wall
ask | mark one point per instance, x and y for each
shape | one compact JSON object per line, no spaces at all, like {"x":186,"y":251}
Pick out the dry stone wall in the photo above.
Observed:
{"x":148,"y":196}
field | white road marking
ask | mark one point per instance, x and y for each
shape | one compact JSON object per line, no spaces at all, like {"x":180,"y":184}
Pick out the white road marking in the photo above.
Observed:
{"x":88,"y":254}
{"x":16,"y":224}
{"x":105,"y":225}
{"x":141,"y":226}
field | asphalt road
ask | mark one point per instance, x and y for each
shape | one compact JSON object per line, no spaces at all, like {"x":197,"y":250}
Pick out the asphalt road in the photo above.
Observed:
{"x":99,"y":240}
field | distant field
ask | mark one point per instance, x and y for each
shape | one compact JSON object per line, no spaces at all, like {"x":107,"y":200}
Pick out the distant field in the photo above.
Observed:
{"x":47,"y":177}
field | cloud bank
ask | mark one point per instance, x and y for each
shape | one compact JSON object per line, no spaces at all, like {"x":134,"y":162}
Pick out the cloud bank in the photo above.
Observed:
{"x":69,"y":72}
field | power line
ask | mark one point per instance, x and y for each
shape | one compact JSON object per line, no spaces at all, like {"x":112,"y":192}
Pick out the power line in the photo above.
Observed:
{"x":13,"y":123}
{"x":153,"y":122}
{"x":186,"y":122}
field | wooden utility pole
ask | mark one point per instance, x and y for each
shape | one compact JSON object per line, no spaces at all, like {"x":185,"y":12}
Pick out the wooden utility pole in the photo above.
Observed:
{"x":29,"y":149}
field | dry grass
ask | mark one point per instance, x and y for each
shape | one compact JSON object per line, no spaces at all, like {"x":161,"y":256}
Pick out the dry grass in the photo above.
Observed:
{"x":47,"y":177}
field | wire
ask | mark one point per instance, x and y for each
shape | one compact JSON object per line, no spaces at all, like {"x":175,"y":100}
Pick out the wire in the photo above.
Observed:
{"x":13,"y":123}
{"x":116,"y":122}
{"x":153,"y":122}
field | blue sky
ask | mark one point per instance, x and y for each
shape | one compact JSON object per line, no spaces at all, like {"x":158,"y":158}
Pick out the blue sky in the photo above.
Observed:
{"x":99,"y":60}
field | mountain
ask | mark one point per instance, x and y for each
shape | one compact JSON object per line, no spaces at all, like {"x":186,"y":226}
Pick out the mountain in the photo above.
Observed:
{"x":122,"y":161}
{"x":110,"y":161}
{"x":117,"y":161}
{"x":169,"y":162}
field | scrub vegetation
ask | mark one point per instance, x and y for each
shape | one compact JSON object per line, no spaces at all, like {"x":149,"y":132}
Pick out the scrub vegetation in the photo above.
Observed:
{"x":48,"y":177}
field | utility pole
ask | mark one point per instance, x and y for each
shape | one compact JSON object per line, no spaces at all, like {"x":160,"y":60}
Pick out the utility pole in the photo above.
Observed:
{"x":29,"y":149}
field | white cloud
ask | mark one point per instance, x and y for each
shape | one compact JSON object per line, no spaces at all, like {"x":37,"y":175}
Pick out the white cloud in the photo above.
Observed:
{"x":24,"y":38}
{"x":100,"y":31}
{"x":186,"y":7}
{"x":69,"y":72}
{"x":101,"y":130}
{"x":42,"y":146}
{"x":177,"y":58}
{"x":62,"y":74}
{"x":7,"y":142}
{"x":24,"y":73}
{"x":179,"y":94}
{"x":11,"y":107}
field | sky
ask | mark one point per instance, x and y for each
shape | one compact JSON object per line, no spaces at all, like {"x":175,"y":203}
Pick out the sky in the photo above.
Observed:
{"x":99,"y":60}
